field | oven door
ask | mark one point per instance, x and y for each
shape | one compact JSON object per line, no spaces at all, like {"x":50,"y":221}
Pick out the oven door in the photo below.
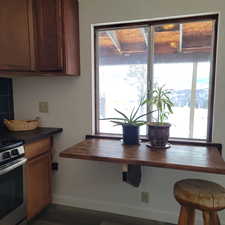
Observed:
{"x":12,"y":194}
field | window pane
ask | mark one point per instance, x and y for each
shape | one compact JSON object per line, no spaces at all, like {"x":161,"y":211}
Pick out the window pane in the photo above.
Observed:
{"x":182,"y":61}
{"x":122,"y":69}
{"x":179,"y":56}
{"x":202,"y":95}
{"x":181,"y":92}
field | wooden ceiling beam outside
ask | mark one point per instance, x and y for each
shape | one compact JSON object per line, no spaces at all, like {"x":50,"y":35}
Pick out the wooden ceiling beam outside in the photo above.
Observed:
{"x":145,"y":35}
{"x":188,"y":39}
{"x":181,"y":38}
{"x":113,"y":36}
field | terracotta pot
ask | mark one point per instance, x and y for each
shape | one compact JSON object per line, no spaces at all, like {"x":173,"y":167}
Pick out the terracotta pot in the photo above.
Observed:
{"x":158,"y":134}
{"x":130,"y":134}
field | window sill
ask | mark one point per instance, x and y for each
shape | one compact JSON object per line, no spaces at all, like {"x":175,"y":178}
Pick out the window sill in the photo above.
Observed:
{"x":177,"y":141}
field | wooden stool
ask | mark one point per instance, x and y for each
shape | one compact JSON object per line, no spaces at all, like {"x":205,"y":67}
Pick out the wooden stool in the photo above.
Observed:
{"x":194,"y":194}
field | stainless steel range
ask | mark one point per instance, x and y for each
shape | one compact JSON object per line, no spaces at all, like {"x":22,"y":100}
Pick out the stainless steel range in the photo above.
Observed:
{"x":12,"y":183}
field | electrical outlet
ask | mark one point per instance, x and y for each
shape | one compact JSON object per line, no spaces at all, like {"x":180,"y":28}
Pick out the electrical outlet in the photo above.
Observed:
{"x":43,"y":107}
{"x":145,"y":197}
{"x":55,"y":166}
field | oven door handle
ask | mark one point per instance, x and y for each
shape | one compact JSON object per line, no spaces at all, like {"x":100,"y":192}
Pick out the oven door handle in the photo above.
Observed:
{"x":9,"y":167}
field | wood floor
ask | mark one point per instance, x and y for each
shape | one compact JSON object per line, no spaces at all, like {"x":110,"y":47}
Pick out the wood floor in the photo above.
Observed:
{"x":64,"y":215}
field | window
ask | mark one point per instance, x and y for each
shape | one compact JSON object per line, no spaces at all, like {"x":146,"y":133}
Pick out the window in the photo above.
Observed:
{"x":132,"y":59}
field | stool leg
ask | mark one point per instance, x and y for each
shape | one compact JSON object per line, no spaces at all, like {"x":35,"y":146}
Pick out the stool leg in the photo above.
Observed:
{"x":218,"y":219}
{"x":191,"y":216}
{"x":211,"y":218}
{"x":214,"y":218}
{"x":187,"y":216}
{"x":206,"y":218}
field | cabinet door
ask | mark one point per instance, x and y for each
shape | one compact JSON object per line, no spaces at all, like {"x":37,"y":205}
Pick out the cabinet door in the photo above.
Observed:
{"x":70,"y":12}
{"x":38,"y":184}
{"x":48,"y":31}
{"x":15,"y":46}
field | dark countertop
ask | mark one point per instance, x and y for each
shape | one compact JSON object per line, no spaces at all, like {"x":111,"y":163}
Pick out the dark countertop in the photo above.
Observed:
{"x":30,"y":136}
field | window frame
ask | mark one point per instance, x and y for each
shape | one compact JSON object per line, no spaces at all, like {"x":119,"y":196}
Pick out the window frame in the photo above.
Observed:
{"x":151,"y":23}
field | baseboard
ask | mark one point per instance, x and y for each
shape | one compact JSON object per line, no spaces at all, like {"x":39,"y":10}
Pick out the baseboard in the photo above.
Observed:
{"x":122,"y":209}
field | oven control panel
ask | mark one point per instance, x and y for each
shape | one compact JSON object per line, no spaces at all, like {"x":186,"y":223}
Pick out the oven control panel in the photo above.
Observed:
{"x":12,"y":153}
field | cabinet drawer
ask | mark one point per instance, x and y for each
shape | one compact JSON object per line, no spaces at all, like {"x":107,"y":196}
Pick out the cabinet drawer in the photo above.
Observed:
{"x":37,"y":148}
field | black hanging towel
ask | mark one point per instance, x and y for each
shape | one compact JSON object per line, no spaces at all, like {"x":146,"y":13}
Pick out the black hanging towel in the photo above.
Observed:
{"x":132,"y":174}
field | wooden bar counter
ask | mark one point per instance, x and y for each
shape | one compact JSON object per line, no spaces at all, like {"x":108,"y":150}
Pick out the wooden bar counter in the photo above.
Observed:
{"x":179,"y":156}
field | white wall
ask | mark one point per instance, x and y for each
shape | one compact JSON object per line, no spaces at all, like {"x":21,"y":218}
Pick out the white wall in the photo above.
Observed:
{"x":98,"y":185}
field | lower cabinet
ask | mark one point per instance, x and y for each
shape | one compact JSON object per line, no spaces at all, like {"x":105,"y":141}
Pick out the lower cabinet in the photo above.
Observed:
{"x":38,"y":177}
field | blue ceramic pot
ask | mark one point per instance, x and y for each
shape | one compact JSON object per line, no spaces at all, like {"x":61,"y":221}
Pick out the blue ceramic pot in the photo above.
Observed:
{"x":130,"y":134}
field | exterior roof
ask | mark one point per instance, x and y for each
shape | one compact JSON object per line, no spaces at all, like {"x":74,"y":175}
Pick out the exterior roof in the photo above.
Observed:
{"x":188,"y":38}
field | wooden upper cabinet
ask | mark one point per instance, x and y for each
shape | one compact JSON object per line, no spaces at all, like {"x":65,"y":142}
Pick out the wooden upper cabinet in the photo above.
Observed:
{"x":47,"y":33}
{"x":15,"y":52}
{"x":39,"y":37}
{"x":70,"y":14}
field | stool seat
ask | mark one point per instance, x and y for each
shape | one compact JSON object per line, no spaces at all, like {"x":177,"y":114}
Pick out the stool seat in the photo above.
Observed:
{"x":204,"y":195}
{"x":201,"y":194}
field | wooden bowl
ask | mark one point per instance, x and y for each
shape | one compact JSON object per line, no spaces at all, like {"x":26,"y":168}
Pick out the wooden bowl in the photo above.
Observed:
{"x":21,"y":125}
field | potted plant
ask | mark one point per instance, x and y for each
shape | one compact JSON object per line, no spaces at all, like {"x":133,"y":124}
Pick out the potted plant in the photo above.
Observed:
{"x":158,"y":130}
{"x":130,"y":124}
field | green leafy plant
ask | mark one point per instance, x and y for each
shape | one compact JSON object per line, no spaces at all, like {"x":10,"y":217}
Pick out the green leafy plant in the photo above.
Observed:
{"x":132,"y":119}
{"x":160,"y":101}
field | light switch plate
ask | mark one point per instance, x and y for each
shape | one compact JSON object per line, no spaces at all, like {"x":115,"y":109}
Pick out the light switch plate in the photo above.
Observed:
{"x":43,"y":107}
